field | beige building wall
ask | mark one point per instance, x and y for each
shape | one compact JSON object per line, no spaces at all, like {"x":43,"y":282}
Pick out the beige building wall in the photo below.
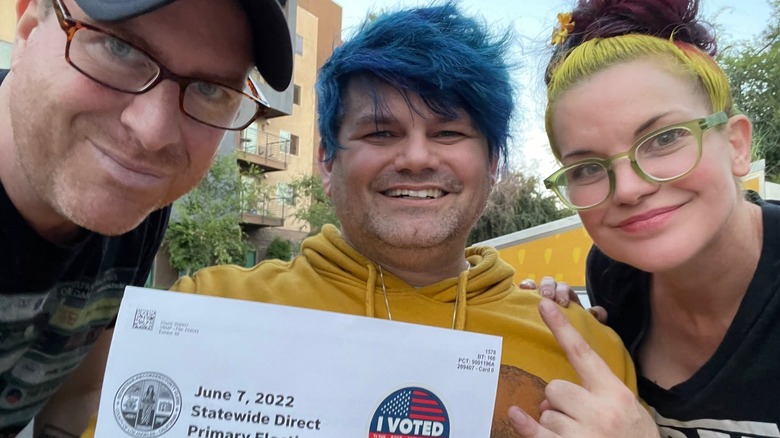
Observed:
{"x":329,"y":28}
{"x":328,"y":38}
{"x":7,"y":20}
{"x":7,"y":27}
{"x":301,"y":122}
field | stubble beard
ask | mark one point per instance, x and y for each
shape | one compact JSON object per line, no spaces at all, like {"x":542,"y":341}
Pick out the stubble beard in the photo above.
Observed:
{"x":424,"y":232}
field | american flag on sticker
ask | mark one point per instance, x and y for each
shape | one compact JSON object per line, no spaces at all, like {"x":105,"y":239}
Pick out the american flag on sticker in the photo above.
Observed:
{"x":410,"y":413}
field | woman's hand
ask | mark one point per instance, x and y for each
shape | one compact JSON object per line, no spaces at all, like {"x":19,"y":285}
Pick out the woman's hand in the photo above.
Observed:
{"x":562,"y":294}
{"x":602,"y":407}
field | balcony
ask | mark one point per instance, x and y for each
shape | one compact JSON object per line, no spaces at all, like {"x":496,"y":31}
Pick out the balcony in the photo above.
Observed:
{"x":265,"y":212}
{"x":268,"y":151}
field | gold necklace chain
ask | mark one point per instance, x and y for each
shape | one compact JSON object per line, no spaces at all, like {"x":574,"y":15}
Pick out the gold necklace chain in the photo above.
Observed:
{"x":387,"y":301}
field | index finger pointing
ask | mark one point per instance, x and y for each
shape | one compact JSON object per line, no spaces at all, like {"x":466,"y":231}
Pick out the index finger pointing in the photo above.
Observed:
{"x":591,"y":368}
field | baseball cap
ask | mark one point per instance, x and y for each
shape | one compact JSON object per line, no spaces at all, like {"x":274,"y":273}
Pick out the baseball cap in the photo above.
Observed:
{"x":270,"y":34}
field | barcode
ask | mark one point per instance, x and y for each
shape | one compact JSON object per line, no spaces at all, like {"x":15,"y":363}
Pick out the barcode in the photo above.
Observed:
{"x":144,"y":319}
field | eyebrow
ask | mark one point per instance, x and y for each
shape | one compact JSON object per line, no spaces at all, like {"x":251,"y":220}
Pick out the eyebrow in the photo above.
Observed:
{"x":650,"y":122}
{"x":375,"y":118}
{"x":637,"y":133}
{"x":125,"y":31}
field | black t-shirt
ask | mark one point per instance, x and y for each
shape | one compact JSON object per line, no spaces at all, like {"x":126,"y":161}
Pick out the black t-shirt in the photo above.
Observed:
{"x":55,"y":301}
{"x":736,"y":393}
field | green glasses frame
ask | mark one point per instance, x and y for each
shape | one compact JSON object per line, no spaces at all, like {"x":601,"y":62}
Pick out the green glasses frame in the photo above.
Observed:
{"x":696,"y":127}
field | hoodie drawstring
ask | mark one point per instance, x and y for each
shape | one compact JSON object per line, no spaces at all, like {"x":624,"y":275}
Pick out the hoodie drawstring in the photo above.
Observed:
{"x":370,"y":287}
{"x":458,"y":315}
{"x":459,"y":318}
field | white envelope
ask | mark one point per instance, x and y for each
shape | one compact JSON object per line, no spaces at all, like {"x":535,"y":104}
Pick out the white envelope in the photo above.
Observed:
{"x":184,"y":365}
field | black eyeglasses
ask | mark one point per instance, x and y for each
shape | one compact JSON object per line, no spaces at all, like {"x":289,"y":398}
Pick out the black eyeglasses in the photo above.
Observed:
{"x":665,"y":155}
{"x":121,"y":66}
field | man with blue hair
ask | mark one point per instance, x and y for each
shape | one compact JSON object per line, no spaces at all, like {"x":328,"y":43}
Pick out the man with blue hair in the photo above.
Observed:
{"x":414,"y":113}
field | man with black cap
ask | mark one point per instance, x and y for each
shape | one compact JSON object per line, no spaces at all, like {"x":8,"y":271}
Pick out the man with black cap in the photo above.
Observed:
{"x":111,"y":110}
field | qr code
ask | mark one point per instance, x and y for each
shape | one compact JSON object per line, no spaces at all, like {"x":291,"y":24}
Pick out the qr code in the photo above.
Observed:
{"x":144,"y":319}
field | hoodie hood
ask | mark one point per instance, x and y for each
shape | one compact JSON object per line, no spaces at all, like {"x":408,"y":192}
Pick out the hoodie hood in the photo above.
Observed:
{"x":488,"y":279}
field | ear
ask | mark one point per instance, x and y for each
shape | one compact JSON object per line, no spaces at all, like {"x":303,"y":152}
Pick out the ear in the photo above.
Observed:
{"x":740,"y":135}
{"x":27,"y":21}
{"x":325,"y":168}
{"x":493,"y":170}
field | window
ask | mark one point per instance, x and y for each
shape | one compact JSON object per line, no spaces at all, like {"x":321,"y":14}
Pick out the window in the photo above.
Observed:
{"x":289,"y":142}
{"x":297,"y":94}
{"x":294,"y":144}
{"x":285,"y":143}
{"x":298,"y":44}
{"x":284,"y":194}
{"x":249,"y":139}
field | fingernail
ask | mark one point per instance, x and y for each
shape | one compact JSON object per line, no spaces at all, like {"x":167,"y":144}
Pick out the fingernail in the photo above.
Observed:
{"x":547,"y":293}
{"x":561,"y":301}
{"x":516,"y":415}
{"x":527,"y":283}
{"x":546,"y":306}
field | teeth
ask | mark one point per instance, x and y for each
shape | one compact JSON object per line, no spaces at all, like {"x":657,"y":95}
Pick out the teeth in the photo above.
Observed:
{"x":423,"y":194}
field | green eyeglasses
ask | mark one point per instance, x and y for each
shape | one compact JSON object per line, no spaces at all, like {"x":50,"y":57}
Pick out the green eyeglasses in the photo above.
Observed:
{"x":665,"y":155}
{"x":119,"y":65}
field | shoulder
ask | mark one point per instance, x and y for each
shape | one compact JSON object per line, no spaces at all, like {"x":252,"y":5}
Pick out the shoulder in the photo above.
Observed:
{"x":622,"y":290}
{"x":524,"y":330}
{"x":771,"y":211}
{"x":525,"y":305}
{"x":233,"y":281}
{"x":609,"y":281}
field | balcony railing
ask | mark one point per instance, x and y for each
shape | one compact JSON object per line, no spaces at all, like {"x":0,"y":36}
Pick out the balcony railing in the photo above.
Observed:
{"x":265,"y":145}
{"x":266,"y":211}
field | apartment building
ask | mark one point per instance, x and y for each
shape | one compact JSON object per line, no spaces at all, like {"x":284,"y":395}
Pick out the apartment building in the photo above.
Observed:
{"x":285,"y":147}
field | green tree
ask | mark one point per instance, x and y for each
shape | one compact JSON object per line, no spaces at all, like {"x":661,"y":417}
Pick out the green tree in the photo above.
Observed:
{"x":515,"y":204}
{"x":313,"y":206}
{"x":754,"y":72}
{"x":204,"y":229}
{"x":280,"y":249}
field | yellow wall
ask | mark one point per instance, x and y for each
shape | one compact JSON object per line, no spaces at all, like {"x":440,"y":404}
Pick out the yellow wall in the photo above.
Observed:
{"x":560,"y":255}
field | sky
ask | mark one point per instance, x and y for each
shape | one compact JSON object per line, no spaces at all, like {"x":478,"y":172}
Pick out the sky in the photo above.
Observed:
{"x":533,"y":22}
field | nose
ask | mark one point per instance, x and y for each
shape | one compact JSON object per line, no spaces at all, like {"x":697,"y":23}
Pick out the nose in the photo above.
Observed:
{"x":155,"y":117}
{"x":416,"y":153}
{"x":630,"y":187}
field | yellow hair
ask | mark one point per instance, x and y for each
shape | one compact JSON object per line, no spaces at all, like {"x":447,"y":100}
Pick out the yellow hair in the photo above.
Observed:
{"x":599,"y":54}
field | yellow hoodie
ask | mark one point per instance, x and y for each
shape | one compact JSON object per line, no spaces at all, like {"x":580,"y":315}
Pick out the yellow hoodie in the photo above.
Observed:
{"x":331,"y":275}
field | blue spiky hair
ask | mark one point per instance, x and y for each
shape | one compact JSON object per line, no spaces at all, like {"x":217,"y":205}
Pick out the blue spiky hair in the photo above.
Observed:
{"x":450,"y":60}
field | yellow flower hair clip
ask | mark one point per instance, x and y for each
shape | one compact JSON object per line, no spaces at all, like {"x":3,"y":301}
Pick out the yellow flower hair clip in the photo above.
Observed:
{"x":561,"y":32}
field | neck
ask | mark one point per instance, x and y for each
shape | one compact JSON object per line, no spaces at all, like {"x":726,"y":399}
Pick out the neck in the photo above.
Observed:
{"x":417,"y":266}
